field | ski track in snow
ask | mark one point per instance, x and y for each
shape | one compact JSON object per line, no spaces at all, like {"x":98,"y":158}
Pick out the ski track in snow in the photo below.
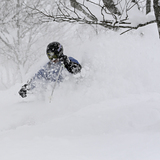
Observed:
{"x":119,"y":128}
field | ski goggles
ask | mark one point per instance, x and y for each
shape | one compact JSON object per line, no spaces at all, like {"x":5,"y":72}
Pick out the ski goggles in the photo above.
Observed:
{"x":51,"y":55}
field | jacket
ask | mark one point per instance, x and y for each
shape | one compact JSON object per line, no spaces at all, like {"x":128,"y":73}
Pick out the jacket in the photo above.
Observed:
{"x":50,"y":71}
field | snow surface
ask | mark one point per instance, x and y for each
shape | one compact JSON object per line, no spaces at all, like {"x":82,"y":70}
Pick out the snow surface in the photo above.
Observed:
{"x":109,"y":112}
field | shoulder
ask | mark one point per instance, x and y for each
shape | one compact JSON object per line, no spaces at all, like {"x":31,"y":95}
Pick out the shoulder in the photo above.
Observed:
{"x":73,"y":60}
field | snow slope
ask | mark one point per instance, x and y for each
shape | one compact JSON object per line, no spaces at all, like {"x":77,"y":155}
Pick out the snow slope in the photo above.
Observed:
{"x":110,"y":112}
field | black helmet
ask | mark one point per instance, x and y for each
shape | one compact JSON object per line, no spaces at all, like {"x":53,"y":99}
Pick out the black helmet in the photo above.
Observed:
{"x":54,"y":50}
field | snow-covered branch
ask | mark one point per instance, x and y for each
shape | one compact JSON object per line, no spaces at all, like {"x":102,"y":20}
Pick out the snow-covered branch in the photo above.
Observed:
{"x":83,"y":13}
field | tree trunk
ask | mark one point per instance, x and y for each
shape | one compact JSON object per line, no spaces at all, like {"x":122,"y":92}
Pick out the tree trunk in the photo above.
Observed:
{"x":148,"y":6}
{"x":109,"y":4}
{"x":18,"y":24}
{"x":156,"y":5}
{"x":79,"y":7}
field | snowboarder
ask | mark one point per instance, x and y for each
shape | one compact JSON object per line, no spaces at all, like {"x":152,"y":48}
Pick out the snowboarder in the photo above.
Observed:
{"x":51,"y":70}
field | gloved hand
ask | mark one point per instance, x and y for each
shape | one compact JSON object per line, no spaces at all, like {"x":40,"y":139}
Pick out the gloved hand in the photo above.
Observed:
{"x":64,"y":59}
{"x":23,"y":91}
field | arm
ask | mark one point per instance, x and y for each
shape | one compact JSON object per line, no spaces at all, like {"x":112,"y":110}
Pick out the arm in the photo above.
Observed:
{"x":31,"y":83}
{"x":71,"y":64}
{"x":48,"y":73}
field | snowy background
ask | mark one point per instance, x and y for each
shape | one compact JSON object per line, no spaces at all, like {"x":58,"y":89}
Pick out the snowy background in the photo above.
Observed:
{"x":109,"y":112}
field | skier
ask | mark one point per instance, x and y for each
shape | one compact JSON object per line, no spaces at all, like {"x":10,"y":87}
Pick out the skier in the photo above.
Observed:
{"x":52,"y":69}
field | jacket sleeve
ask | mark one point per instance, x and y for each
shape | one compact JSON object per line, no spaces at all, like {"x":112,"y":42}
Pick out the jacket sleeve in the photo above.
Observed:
{"x":72,"y":65}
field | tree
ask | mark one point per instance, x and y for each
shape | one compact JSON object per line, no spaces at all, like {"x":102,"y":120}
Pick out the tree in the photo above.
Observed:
{"x":110,"y":15}
{"x":19,"y":31}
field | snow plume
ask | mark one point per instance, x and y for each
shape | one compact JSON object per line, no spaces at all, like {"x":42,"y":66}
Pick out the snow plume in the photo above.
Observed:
{"x":119,"y":64}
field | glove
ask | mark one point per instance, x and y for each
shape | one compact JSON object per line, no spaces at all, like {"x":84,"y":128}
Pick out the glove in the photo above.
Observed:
{"x":23,"y":91}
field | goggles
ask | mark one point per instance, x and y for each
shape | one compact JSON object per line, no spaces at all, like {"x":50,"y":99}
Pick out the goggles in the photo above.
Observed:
{"x":51,"y":55}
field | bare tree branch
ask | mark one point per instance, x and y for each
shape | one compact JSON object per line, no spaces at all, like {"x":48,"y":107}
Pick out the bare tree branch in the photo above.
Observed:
{"x":71,"y":16}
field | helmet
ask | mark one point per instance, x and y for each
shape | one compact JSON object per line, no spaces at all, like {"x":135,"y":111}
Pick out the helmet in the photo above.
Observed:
{"x":54,"y":50}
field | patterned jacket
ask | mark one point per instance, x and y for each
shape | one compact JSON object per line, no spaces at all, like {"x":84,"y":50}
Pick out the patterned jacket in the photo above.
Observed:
{"x":50,"y":71}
